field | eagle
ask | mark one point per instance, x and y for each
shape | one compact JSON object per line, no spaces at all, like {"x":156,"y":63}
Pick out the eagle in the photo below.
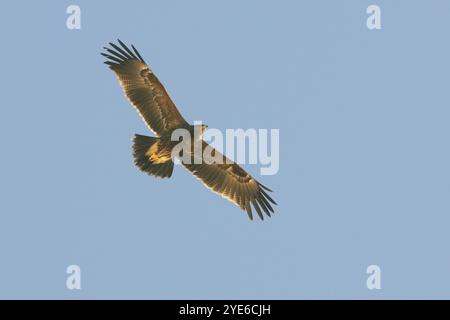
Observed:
{"x":153,"y":155}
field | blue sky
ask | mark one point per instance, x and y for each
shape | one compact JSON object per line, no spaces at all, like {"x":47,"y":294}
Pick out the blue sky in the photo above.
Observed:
{"x":364,"y":176}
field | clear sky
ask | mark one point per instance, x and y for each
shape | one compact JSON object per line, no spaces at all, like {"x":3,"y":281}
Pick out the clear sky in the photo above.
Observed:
{"x":364,"y":157}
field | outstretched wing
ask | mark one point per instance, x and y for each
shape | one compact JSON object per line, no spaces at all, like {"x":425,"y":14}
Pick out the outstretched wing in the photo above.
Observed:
{"x":143,"y":88}
{"x":229,"y":180}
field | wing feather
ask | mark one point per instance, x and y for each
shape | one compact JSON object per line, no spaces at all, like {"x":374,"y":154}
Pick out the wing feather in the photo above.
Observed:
{"x":117,"y":54}
{"x":143,"y":89}
{"x":233,"y":183}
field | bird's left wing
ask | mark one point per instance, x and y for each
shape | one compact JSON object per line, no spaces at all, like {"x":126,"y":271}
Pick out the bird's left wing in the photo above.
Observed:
{"x":143,"y":88}
{"x":229,"y":180}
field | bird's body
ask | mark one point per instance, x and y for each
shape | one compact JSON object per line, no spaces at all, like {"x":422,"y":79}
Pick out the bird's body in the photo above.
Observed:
{"x":154,"y":156}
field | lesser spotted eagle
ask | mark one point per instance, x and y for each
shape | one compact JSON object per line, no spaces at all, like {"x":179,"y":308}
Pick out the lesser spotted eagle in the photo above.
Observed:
{"x":153,"y":154}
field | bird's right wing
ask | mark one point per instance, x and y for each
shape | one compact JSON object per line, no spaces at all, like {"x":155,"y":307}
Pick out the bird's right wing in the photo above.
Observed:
{"x":229,"y":180}
{"x":143,"y":89}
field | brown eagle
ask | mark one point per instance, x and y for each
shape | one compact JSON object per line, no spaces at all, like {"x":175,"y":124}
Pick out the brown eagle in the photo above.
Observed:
{"x":153,"y":155}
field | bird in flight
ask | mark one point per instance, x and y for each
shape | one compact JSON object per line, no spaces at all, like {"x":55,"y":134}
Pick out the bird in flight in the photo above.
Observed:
{"x":153,"y":155}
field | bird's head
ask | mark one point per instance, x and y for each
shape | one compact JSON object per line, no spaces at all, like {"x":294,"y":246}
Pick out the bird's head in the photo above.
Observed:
{"x":199,"y":129}
{"x":204,"y":127}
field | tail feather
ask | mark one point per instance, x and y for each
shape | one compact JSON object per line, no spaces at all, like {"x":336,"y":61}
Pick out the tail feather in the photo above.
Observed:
{"x":150,"y":158}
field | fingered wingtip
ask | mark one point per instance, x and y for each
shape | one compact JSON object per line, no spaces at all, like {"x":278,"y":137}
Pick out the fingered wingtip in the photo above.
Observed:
{"x":119,"y":54}
{"x":264,"y":187}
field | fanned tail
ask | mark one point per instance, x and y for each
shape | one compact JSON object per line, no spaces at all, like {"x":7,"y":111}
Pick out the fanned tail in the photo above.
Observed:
{"x":150,"y":157}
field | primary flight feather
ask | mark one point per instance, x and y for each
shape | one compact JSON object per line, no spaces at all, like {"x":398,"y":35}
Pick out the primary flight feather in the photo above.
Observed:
{"x":153,"y":155}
